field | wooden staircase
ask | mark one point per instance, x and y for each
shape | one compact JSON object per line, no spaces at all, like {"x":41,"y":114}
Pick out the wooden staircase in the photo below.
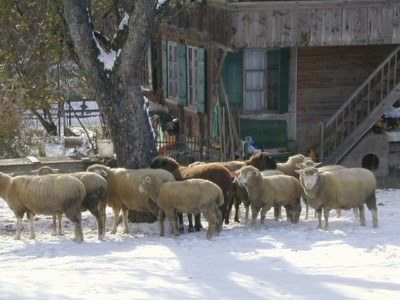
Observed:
{"x":359,"y":113}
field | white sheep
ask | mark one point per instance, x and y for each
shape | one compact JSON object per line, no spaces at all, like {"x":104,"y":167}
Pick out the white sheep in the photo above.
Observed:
{"x":95,"y":200}
{"x":308,"y":163}
{"x":123,"y":192}
{"x":47,"y":195}
{"x":340,"y":189}
{"x":241,"y":196}
{"x":192,"y":196}
{"x":275,"y":190}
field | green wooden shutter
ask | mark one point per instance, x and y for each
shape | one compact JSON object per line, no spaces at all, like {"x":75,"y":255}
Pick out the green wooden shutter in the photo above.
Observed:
{"x":283,"y":104}
{"x":164,"y":67}
{"x":182,"y":74}
{"x":201,"y":87}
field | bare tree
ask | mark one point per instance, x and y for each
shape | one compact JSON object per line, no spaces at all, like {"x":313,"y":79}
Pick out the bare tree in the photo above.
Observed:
{"x":118,"y":89}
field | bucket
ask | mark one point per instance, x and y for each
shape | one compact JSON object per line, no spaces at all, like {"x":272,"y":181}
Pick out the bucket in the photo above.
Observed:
{"x":105,"y":148}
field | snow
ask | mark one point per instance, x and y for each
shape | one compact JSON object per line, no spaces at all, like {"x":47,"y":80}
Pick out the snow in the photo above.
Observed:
{"x":277,"y":261}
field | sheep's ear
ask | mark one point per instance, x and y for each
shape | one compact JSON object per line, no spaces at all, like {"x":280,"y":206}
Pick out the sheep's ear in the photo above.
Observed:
{"x":34,"y":171}
{"x":316,"y":164}
{"x":299,"y":171}
{"x":299,"y":165}
{"x":55,"y":170}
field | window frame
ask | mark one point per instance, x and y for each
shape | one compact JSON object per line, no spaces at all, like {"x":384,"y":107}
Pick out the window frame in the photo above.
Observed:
{"x":265,"y":93}
{"x":192,"y":71}
{"x":172,"y":70}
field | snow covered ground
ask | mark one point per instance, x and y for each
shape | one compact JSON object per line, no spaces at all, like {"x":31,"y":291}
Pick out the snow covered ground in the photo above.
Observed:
{"x":278,"y":261}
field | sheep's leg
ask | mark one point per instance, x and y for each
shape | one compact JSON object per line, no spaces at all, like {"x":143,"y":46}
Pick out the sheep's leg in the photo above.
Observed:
{"x":355,"y":212}
{"x":319,"y":214}
{"x":218,"y":215}
{"x":277,"y":212}
{"x":209,"y":215}
{"x":289,"y":214}
{"x":102,"y":209}
{"x":228,"y":212}
{"x":374,"y":213}
{"x":125,"y":220}
{"x":171,"y":216}
{"x":306,"y":205}
{"x":254,"y":214}
{"x":237,"y":211}
{"x":307,"y":209}
{"x":100,"y":226}
{"x":246,"y":217}
{"x":31,"y":228}
{"x":326,"y":216}
{"x":180,"y":220}
{"x":76,"y":219}
{"x":115,"y":223}
{"x":362,"y":215}
{"x":190,"y":219}
{"x":338,"y":213}
{"x":161,"y":218}
{"x":54,"y":229}
{"x":197,"y":222}
{"x":263,"y":213}
{"x":19,"y":226}
{"x":60,"y":230}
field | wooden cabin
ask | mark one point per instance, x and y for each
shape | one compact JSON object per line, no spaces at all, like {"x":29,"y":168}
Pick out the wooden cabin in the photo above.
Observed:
{"x":294,"y":76}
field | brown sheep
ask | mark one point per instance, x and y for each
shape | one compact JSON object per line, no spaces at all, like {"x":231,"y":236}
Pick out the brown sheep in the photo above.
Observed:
{"x":212,"y":171}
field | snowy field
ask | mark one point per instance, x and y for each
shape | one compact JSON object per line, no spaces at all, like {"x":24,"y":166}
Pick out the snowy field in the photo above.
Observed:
{"x":278,"y":261}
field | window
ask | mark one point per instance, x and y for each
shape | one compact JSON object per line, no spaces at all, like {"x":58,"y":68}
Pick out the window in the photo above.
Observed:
{"x":254,"y":65}
{"x":172,"y":70}
{"x":192,"y":76}
{"x":266,"y":80}
{"x":183,"y":73}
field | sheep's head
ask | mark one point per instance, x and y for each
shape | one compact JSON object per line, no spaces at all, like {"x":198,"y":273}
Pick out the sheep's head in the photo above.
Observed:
{"x":247,"y":175}
{"x":99,"y":169}
{"x":45,"y":170}
{"x":309,"y":177}
{"x":144,"y":183}
{"x":164,"y":162}
{"x":262,"y":161}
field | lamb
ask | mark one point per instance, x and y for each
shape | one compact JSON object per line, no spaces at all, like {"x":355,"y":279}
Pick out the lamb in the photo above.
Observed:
{"x":95,"y":200}
{"x":274,"y":190}
{"x":241,"y":196}
{"x":340,"y":189}
{"x":211,"y":171}
{"x":193,"y":196}
{"x":261,"y":161}
{"x":123,"y":193}
{"x":47,"y":195}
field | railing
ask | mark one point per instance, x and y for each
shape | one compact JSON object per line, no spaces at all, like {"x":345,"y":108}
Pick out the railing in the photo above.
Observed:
{"x":184,"y":149}
{"x":360,"y":105}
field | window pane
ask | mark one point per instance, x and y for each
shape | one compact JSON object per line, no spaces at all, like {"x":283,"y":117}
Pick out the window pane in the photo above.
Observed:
{"x":254,"y":80}
{"x":254,"y":101}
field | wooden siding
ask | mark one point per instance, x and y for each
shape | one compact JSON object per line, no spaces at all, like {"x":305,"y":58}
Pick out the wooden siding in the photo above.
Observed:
{"x":261,"y":24}
{"x":305,"y":23}
{"x":326,"y":77}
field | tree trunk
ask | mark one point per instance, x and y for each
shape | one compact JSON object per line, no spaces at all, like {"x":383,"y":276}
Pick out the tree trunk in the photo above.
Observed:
{"x":118,"y":91}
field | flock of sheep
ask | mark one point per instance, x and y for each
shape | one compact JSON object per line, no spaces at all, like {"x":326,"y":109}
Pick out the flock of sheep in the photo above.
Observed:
{"x":167,"y":189}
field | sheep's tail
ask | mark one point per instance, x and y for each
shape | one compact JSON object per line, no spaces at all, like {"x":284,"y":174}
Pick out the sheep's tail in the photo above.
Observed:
{"x":220,"y":199}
